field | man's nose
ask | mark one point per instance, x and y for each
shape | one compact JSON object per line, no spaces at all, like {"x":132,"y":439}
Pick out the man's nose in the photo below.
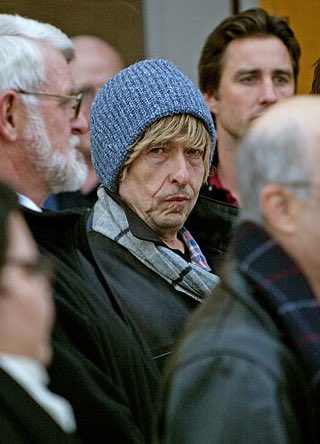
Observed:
{"x":80,"y":124}
{"x":180,"y":172}
{"x":268,"y":93}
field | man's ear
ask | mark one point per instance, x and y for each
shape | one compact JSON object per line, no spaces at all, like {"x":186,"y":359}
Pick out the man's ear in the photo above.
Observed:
{"x":9,"y":114}
{"x":211,"y":100}
{"x":278,"y":206}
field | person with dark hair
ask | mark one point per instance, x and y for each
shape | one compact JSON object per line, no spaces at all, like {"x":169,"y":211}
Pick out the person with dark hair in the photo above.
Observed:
{"x":247,"y":369}
{"x":248,"y":63}
{"x":315,"y":87}
{"x":106,"y":374}
{"x":29,"y":411}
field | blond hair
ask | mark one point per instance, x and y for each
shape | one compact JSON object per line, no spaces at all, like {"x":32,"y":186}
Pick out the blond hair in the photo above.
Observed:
{"x":181,"y":128}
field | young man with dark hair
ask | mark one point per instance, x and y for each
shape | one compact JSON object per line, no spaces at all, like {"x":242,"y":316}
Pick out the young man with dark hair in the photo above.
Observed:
{"x":249,"y":62}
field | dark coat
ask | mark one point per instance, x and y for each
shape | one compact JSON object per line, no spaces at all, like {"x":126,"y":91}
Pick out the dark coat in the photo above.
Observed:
{"x":234,"y":379}
{"x":150,"y":304}
{"x":71,"y":199}
{"x":23,"y":420}
{"x":212,"y":223}
{"x":97,"y":364}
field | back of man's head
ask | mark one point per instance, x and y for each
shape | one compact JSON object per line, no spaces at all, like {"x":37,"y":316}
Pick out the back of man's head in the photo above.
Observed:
{"x":253,"y":22}
{"x":96,"y":61}
{"x":280,"y":148}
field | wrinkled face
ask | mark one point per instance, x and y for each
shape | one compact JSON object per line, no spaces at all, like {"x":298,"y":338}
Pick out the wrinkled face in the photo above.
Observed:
{"x":64,"y":171}
{"x":26,"y":306}
{"x":256,"y":72}
{"x":162,"y":185}
{"x":52,"y":132}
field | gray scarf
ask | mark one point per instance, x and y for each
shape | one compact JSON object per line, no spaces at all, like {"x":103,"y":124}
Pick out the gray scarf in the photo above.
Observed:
{"x":110,"y":219}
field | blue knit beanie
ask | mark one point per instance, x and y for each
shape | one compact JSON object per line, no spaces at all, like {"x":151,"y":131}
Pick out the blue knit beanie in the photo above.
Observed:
{"x":129,"y":103}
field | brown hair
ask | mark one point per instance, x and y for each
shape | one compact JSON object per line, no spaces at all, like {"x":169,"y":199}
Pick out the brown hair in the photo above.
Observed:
{"x":250,"y":23}
{"x":315,"y":87}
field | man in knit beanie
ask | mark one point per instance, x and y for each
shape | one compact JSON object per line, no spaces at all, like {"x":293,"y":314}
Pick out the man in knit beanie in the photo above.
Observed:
{"x":152,"y":140}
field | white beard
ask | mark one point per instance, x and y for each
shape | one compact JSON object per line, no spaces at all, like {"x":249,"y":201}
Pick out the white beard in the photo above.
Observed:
{"x":63,"y":172}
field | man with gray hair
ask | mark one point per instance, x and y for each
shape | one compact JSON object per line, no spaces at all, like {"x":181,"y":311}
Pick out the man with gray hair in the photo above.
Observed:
{"x":42,"y":120}
{"x":96,"y":365}
{"x":248,"y":366}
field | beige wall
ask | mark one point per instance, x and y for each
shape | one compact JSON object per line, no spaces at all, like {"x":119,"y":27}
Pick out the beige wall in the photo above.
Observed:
{"x":304,"y":19}
{"x":117,"y":21}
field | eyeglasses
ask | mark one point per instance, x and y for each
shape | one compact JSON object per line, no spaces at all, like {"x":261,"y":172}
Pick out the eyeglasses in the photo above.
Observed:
{"x":77,"y":99}
{"x":88,"y":93}
{"x":42,"y":265}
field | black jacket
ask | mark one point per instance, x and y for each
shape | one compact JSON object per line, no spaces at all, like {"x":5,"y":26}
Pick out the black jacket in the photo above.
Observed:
{"x":212,"y":223}
{"x":97,"y":364}
{"x":151,"y":306}
{"x":23,"y":420}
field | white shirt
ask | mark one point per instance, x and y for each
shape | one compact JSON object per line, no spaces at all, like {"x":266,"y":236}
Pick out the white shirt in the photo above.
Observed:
{"x":28,"y":203}
{"x":33,"y":377}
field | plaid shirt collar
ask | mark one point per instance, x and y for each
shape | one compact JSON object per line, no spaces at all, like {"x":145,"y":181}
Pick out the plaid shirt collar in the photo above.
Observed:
{"x":196,"y":255}
{"x":284,"y":291}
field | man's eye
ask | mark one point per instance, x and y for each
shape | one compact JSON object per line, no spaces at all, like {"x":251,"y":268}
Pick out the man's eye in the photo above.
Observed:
{"x":196,"y":153}
{"x":156,"y":150}
{"x":248,"y":79}
{"x":281,"y":80}
{"x":88,"y":95}
{"x":64,"y":103}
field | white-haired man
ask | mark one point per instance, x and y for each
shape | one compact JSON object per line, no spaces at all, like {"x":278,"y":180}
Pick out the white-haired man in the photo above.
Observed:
{"x":41,"y":119}
{"x":96,"y":364}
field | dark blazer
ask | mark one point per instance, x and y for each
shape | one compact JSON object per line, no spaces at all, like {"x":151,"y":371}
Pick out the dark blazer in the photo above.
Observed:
{"x":23,"y":420}
{"x":151,"y":306}
{"x":97,"y":365}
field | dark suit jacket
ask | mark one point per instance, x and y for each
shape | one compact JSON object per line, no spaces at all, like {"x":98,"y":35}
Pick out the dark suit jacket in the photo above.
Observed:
{"x":212,"y":223}
{"x":23,"y":420}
